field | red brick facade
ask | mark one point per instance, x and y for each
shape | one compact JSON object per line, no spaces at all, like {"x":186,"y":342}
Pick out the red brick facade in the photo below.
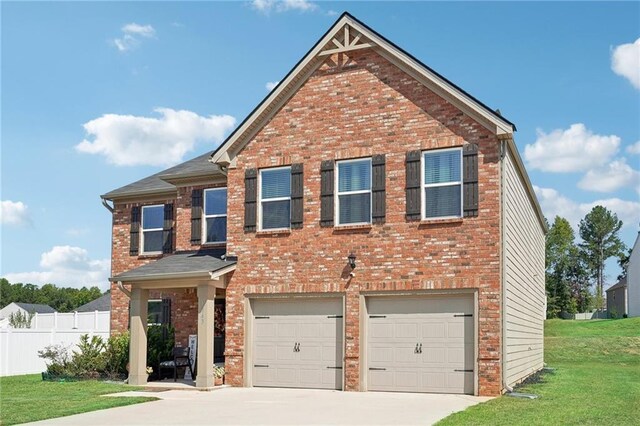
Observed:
{"x":361,"y":107}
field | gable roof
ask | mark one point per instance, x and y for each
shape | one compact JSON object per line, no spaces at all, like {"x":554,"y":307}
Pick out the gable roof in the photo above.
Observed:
{"x":339,"y":35}
{"x":621,"y":284}
{"x":36,"y":308}
{"x":102,"y":304}
{"x":159,"y":183}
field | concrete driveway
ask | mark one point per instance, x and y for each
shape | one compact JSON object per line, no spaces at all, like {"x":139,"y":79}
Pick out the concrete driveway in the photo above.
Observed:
{"x":262,"y":406}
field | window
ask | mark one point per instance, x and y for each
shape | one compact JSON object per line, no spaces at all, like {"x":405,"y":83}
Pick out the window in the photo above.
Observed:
{"x":354,"y":192}
{"x":215,"y":215}
{"x":442,"y":183}
{"x":154,"y":312}
{"x":275,"y":198}
{"x":152,"y":223}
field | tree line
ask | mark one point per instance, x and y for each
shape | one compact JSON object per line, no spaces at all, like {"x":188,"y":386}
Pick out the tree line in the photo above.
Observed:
{"x":62,"y":299}
{"x":573,"y":268}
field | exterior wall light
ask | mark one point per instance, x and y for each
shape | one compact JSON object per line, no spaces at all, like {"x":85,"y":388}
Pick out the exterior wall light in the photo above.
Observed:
{"x":352,"y":261}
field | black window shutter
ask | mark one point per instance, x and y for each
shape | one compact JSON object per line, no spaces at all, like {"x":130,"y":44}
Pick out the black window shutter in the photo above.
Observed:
{"x":378,"y":178}
{"x":326,"y":193}
{"x":134,"y":234}
{"x":470,"y":180}
{"x":196,"y":216}
{"x":297,"y":189}
{"x":167,"y":229}
{"x":412,"y":165}
{"x":165,"y":319}
{"x":250,"y":198}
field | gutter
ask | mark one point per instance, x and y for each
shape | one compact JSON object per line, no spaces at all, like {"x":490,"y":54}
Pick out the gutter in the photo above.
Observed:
{"x":106,"y":205}
{"x":503,"y":298}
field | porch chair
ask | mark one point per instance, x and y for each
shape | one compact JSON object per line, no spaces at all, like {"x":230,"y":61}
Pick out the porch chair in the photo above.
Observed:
{"x":180,"y":359}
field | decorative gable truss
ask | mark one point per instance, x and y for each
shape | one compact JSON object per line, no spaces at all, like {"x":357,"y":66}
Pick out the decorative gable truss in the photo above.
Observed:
{"x":346,"y":41}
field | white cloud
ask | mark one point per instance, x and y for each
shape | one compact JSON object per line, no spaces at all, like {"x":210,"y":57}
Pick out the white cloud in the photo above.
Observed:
{"x":634,"y":148}
{"x":332,"y":13}
{"x":128,"y":140}
{"x":131,"y":36}
{"x":625,"y":61}
{"x":14,"y":213}
{"x":555,"y":204}
{"x":67,"y":266}
{"x":266,"y":6}
{"x":271,"y":85}
{"x":615,"y":175}
{"x":572,"y":150}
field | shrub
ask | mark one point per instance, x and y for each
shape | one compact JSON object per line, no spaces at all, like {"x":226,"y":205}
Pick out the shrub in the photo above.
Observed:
{"x":57,"y":360}
{"x":20,"y":319}
{"x":88,"y":361}
{"x":116,"y":356}
{"x":160,"y":343}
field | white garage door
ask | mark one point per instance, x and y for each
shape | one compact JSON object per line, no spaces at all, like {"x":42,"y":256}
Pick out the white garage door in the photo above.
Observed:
{"x":297,"y":343}
{"x":420,"y":344}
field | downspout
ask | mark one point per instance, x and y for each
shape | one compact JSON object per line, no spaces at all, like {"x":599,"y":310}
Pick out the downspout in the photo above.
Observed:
{"x":107,"y":206}
{"x":124,"y":290}
{"x":503,"y":303}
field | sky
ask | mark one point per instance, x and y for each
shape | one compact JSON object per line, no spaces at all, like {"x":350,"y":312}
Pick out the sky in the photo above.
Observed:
{"x":98,"y":95}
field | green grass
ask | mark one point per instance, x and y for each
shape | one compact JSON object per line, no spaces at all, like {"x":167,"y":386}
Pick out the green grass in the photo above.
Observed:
{"x":596,"y":382}
{"x":28,"y":399}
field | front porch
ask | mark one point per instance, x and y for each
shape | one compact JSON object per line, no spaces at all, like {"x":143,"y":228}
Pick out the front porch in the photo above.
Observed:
{"x":203,"y":272}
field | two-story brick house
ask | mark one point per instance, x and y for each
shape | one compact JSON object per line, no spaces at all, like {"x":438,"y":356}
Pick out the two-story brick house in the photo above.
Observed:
{"x":369,"y":226}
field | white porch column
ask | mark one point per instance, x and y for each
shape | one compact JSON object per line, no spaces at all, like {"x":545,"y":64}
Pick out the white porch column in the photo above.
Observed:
{"x":206,"y":301}
{"x":138,"y":341}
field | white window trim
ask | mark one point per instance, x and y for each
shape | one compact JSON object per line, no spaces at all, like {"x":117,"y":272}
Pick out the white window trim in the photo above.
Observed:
{"x":336,"y":217}
{"x":142,"y":230}
{"x":268,"y":200}
{"x":205,"y":216}
{"x":423,"y":186}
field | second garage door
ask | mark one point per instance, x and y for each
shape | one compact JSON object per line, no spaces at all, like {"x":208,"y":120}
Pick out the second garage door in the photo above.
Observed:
{"x":420,"y":344}
{"x":297,"y":343}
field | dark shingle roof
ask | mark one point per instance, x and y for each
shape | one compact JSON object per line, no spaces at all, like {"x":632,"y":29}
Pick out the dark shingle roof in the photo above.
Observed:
{"x":102,"y":304}
{"x":620,"y":284}
{"x":154,"y":183}
{"x":180,"y":264}
{"x":36,"y":308}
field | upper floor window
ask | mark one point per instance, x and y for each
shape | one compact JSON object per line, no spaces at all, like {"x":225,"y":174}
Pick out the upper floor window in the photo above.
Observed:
{"x":442,"y":183}
{"x":275,"y":198}
{"x":215,"y":215}
{"x":152,"y":226}
{"x":354,"y":192}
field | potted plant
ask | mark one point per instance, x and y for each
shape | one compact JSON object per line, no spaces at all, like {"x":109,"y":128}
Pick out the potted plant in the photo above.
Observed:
{"x":218,"y":374}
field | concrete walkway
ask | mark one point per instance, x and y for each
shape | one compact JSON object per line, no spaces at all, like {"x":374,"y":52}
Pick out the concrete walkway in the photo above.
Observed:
{"x":262,"y":406}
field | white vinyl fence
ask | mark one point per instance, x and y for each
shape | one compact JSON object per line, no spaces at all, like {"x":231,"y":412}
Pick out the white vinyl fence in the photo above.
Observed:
{"x":19,"y":346}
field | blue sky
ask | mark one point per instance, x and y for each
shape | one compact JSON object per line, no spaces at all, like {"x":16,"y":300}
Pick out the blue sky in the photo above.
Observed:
{"x":92,"y":93}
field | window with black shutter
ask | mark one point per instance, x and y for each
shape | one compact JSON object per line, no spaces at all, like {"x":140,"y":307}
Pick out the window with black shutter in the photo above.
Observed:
{"x":442,"y":183}
{"x":196,"y":217}
{"x":326,"y":193}
{"x":152,"y":229}
{"x":297,"y":196}
{"x":250,"y":198}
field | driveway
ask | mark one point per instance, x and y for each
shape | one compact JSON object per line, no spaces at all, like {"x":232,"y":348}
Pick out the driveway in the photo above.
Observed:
{"x":263,"y":406}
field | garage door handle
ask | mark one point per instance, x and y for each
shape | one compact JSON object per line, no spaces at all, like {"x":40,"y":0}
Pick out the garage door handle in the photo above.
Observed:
{"x":377,"y":316}
{"x":462,"y":315}
{"x":377,"y":369}
{"x":336,"y":368}
{"x":463,"y":371}
{"x":260,"y":365}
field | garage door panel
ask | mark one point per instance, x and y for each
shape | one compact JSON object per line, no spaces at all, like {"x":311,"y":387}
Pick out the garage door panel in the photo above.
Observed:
{"x":442,"y":326}
{"x":305,"y":347}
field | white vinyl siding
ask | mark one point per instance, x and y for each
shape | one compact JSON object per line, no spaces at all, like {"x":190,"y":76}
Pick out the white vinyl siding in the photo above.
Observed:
{"x":274,"y":192}
{"x":151,"y":229}
{"x":353,"y":197}
{"x":524,"y":274}
{"x":633,"y":281}
{"x":441,"y":182}
{"x":215,"y":216}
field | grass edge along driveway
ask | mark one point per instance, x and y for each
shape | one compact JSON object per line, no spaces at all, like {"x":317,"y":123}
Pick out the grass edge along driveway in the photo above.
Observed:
{"x":596,"y":382}
{"x":28,"y":399}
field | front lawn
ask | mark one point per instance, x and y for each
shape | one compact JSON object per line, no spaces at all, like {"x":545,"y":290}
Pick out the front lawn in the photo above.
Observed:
{"x":596,"y":382}
{"x":28,"y":399}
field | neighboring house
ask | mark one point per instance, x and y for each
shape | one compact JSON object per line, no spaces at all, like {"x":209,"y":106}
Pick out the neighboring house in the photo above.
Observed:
{"x":25,"y":308}
{"x":101,"y":304}
{"x":617,"y":299}
{"x":369,"y":226}
{"x":633,"y":280}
